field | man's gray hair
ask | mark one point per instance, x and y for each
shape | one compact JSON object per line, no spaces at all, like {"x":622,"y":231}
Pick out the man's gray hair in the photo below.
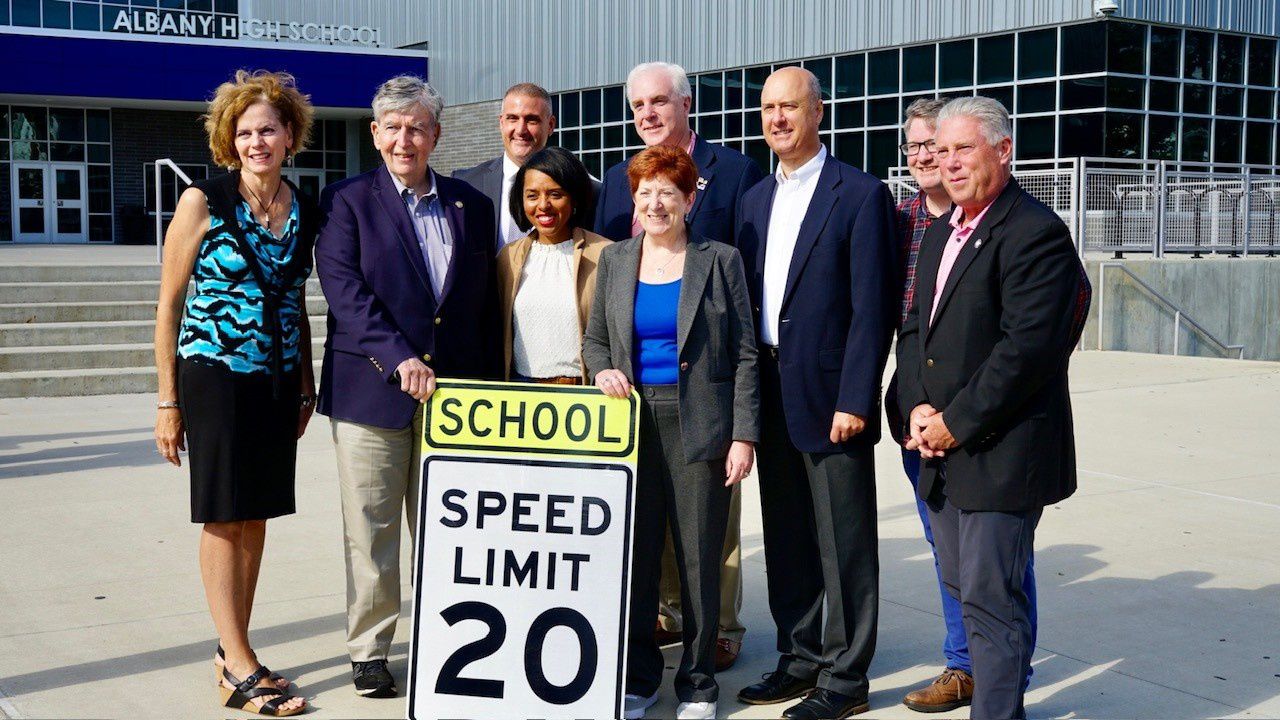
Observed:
{"x":405,"y":93}
{"x":679,"y":79}
{"x":925,"y":109}
{"x":990,"y":114}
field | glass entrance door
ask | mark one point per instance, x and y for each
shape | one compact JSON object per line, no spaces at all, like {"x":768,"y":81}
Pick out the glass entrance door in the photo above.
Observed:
{"x":50,"y":202}
{"x":308,"y":181}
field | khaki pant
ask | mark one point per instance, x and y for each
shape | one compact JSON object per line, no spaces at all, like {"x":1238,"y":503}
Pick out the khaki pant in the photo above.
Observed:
{"x":378,"y":482}
{"x":730,"y":579}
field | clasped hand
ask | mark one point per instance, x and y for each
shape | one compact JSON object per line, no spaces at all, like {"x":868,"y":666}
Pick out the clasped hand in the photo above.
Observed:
{"x":416,"y":379}
{"x":929,"y":433}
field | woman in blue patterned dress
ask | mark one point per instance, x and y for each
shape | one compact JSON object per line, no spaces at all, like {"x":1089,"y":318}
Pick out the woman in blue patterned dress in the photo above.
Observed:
{"x":236,"y":384}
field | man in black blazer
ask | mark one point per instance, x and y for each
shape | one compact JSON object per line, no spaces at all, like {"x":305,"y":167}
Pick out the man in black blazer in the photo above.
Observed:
{"x":820,"y":251}
{"x":525,"y":122}
{"x":982,"y":377}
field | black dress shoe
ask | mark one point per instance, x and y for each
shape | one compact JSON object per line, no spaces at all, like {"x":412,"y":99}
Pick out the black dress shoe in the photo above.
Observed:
{"x":824,"y":704}
{"x":372,"y":679}
{"x":776,"y":687}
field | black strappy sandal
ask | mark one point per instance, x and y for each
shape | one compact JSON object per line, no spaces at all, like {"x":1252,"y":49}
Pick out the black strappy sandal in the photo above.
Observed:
{"x":275,"y":677}
{"x":242,"y":696}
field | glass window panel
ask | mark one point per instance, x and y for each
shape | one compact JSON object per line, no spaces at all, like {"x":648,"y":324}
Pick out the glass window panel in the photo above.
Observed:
{"x":569,"y":139}
{"x":849,"y":115}
{"x":754,"y":124}
{"x":711,"y":127}
{"x":1075,"y":37}
{"x":1166,"y":51}
{"x":311,"y":159}
{"x":882,"y":74}
{"x":4,"y":122}
{"x":827,"y":120}
{"x":555,"y":108}
{"x":1080,"y":135}
{"x":23,"y":150}
{"x":755,"y":82}
{"x":615,"y":105}
{"x":1197,"y":55}
{"x":821,"y":68}
{"x":200,"y":5}
{"x":335,"y":135}
{"x":4,"y":20}
{"x":594,"y":163}
{"x":1226,"y":141}
{"x":1002,"y":95}
{"x":1037,"y":53}
{"x":612,"y":157}
{"x":1124,"y":135}
{"x":56,"y":14}
{"x":849,"y":147}
{"x":882,"y":152}
{"x":590,"y":139}
{"x":84,"y":16}
{"x":226,"y":6}
{"x":569,"y":110}
{"x":1195,"y":139}
{"x":1262,"y":62}
{"x":1035,"y":138}
{"x":26,"y":13}
{"x":100,"y":228}
{"x":1257,"y":146}
{"x":98,"y":125}
{"x":710,"y":93}
{"x":633,"y":137}
{"x":1164,"y":95}
{"x":335,"y":161}
{"x":29,"y":123}
{"x":333,"y":177}
{"x":1230,"y":101}
{"x":67,"y":152}
{"x":1162,"y":137}
{"x":66,"y":125}
{"x":1126,"y":47}
{"x":883,"y":112}
{"x":758,"y":150}
{"x":69,"y":220}
{"x":850,"y":71}
{"x":1261,"y":103}
{"x":918,"y":68}
{"x":1230,"y":59}
{"x":613,"y":136}
{"x":99,"y":189}
{"x":172,"y":4}
{"x":591,"y":107}
{"x":30,"y":183}
{"x":1125,"y":92}
{"x":31,"y":220}
{"x":995,"y":59}
{"x":4,"y":157}
{"x":733,"y":125}
{"x":733,"y":90}
{"x":1197,"y":98}
{"x":955,"y":64}
{"x":1037,"y":98}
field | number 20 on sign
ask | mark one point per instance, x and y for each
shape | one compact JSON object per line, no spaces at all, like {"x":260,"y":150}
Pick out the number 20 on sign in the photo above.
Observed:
{"x":523,"y":558}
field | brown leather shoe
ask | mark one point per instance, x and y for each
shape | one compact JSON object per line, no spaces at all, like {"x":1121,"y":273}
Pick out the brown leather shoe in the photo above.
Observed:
{"x":726,"y":653}
{"x":666,"y":637}
{"x":950,"y":690}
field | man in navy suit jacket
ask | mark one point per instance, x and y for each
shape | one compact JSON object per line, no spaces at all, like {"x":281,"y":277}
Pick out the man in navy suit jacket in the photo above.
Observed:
{"x":819,"y":246}
{"x":406,"y":263}
{"x":660,"y":97}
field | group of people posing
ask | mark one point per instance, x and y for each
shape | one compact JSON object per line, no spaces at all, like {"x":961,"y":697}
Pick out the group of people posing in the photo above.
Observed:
{"x":752,"y":314}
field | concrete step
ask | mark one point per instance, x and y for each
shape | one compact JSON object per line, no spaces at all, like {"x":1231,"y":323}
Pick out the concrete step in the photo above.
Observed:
{"x":15,"y":335}
{"x":83,"y":291}
{"x":102,"y":311}
{"x":69,"y":382}
{"x":88,"y":357}
{"x":78,"y":273}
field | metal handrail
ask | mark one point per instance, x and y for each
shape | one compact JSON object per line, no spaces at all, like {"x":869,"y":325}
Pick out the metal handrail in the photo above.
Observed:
{"x":1179,"y":316}
{"x":164,"y":162}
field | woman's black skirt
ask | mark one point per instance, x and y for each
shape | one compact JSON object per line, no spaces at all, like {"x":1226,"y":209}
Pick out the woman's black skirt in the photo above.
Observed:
{"x":242,"y":445}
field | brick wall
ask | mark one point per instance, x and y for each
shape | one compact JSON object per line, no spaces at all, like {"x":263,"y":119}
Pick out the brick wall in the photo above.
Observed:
{"x":470,"y":136}
{"x":142,"y":136}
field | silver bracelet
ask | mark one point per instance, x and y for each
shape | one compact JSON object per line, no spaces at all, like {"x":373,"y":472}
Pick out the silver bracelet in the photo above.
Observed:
{"x":168,"y":404}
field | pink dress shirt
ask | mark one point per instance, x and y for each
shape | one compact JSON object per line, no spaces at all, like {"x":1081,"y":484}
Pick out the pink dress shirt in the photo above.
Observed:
{"x":959,"y":236}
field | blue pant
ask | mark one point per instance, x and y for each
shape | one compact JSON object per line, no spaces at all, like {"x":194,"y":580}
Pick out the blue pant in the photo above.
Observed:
{"x":956,"y":647}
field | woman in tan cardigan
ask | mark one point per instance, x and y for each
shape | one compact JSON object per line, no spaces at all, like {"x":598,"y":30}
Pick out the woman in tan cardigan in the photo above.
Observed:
{"x":548,"y":277}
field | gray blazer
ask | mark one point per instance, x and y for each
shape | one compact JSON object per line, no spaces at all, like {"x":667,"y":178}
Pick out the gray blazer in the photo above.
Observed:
{"x":719,"y":381}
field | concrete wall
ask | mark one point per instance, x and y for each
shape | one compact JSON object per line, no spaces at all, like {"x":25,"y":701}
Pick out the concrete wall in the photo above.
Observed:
{"x":1236,"y":299}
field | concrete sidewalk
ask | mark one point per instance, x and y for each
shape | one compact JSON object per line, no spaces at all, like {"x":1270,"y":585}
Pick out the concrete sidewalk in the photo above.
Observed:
{"x":1159,"y":581}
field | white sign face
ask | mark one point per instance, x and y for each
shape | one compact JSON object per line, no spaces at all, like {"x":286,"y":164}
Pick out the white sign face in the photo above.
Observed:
{"x":521,"y":592}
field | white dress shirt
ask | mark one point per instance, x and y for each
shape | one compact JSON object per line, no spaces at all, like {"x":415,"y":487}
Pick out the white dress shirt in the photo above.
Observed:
{"x":790,"y":203}
{"x":508,"y":232}
{"x":545,"y":336}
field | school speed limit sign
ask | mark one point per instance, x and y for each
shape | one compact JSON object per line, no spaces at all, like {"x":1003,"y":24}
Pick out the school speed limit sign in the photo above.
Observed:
{"x":522,"y":563}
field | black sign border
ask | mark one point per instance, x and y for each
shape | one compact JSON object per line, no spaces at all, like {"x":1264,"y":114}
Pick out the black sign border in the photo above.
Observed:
{"x":620,"y":680}
{"x":517,"y":387}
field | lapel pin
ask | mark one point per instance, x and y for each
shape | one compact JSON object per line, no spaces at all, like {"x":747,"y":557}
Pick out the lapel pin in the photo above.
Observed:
{"x":457,"y":204}
{"x":702,"y":183}
{"x":977,"y":243}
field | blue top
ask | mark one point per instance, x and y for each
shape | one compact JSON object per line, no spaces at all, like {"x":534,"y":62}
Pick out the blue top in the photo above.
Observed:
{"x":223,"y":323}
{"x":655,"y":329}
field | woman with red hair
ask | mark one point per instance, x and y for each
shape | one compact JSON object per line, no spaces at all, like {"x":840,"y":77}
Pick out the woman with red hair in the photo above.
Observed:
{"x":672,"y":319}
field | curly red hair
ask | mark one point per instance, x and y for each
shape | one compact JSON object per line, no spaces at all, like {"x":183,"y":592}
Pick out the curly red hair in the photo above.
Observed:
{"x":671,"y":163}
{"x":232,"y":98}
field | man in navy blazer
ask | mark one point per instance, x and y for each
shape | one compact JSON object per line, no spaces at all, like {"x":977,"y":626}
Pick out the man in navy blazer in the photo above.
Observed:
{"x":660,"y":98}
{"x":819,"y":246}
{"x":406,"y":263}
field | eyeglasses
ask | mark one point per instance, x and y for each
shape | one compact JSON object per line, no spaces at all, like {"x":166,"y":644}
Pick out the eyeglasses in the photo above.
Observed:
{"x":912,"y":148}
